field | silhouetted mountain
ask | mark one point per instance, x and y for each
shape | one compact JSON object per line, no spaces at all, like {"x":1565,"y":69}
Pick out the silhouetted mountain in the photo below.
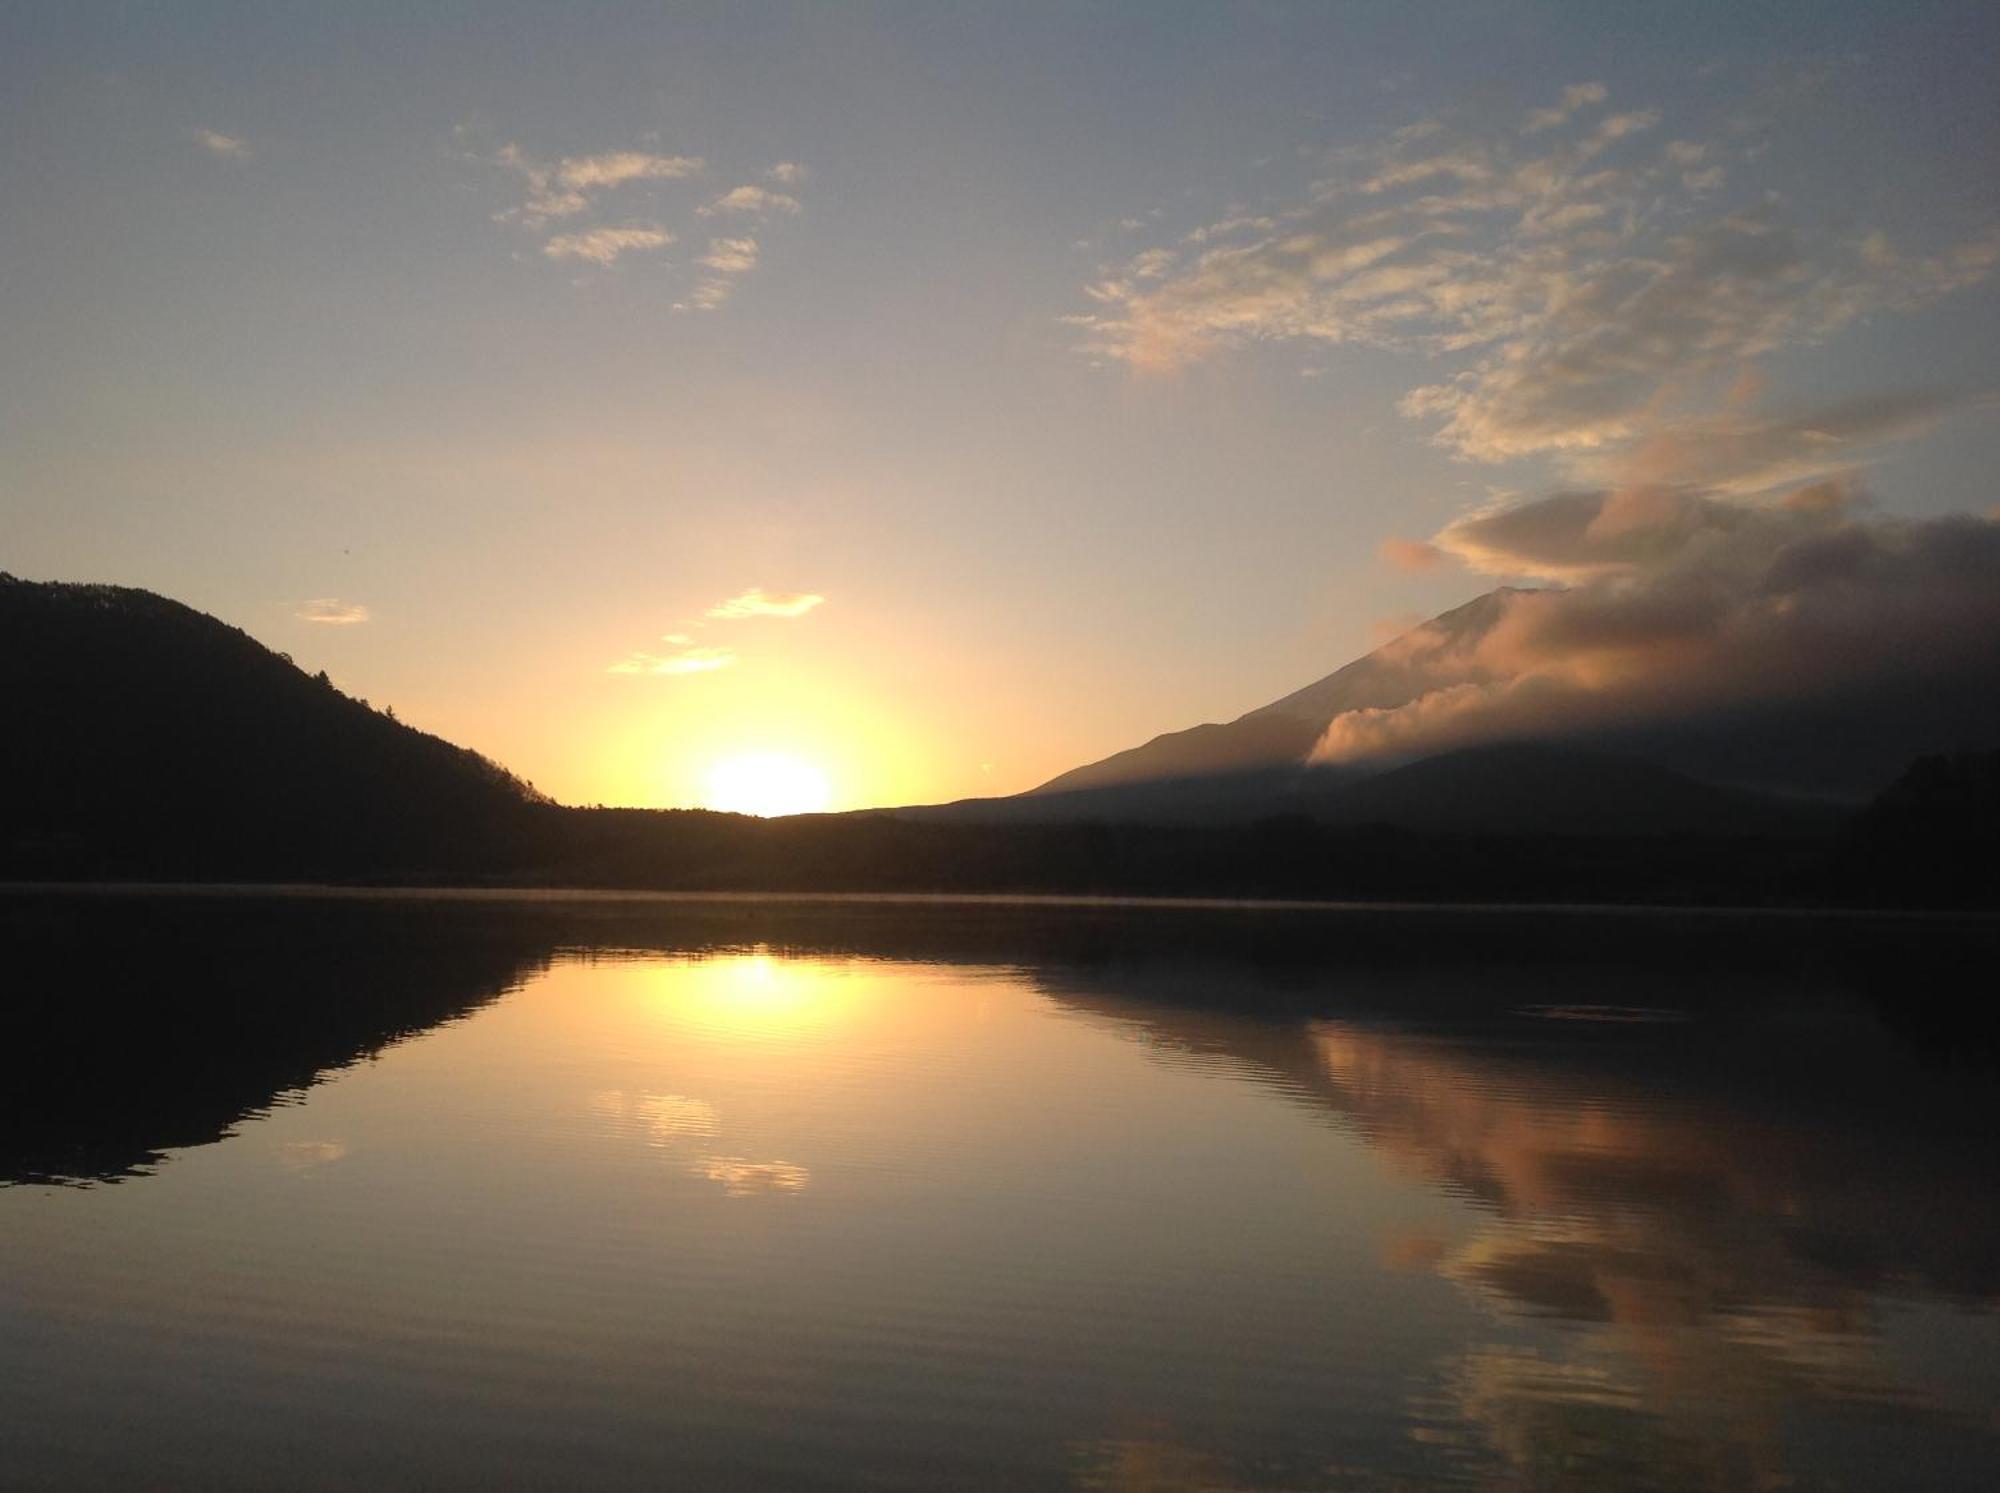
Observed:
{"x":144,"y":738}
{"x":1259,"y":765}
{"x":1468,"y":676}
{"x":1283,"y":733}
{"x":149,"y":742}
{"x":1538,"y":788}
{"x":1510,"y":788}
{"x":1933,"y":836}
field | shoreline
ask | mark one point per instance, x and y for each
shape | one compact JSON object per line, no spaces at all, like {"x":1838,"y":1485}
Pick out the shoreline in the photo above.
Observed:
{"x":347,"y":891}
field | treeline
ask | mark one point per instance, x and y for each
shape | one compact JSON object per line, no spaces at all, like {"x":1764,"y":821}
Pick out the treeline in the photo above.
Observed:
{"x":144,"y":740}
{"x":1907,"y":851}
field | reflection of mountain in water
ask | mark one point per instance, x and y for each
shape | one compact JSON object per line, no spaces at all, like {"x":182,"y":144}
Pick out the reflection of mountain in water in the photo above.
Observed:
{"x":145,"y":1023}
{"x":1698,"y":1162}
{"x":138,"y":1026}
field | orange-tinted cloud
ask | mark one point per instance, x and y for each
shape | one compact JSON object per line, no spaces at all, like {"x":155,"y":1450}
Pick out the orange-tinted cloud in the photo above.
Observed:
{"x":1411,"y":554}
{"x":682,"y":661}
{"x":1681,"y":607}
{"x":331,"y":611}
{"x":757,"y":602}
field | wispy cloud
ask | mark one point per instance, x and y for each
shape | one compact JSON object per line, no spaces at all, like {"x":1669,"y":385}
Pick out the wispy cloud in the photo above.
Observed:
{"x":564,"y":188}
{"x":726,"y":260}
{"x":750,"y":199}
{"x":1591,"y":287}
{"x":1576,"y":96}
{"x":564,"y":202}
{"x":229,"y":147}
{"x":331,"y":611}
{"x":1411,"y":554}
{"x":730,"y":256}
{"x":590,"y":173}
{"x":757,"y":602}
{"x":604,"y":245}
{"x":681,"y":661}
{"x":687,"y":656}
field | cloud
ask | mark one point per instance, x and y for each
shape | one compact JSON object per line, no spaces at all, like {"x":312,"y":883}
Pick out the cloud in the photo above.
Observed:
{"x":1576,"y":96}
{"x":1411,"y":554}
{"x":614,"y":168}
{"x":1581,"y":535}
{"x":570,"y":185}
{"x":557,"y":193}
{"x":331,"y":611}
{"x":731,"y":256}
{"x":1587,"y":370}
{"x":229,"y":147}
{"x":708,"y":295}
{"x":604,"y":245}
{"x":1593,"y":291}
{"x":757,"y":602}
{"x":726,"y":259}
{"x":1682,"y":607}
{"x":1736,"y":452}
{"x":682,"y":661}
{"x":750,"y":199}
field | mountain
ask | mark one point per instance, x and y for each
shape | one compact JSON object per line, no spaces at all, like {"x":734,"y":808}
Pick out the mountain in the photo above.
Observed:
{"x":146,"y":737}
{"x":1530,"y":788}
{"x":1257,"y":766}
{"x":1283,"y":733}
{"x":1507,"y":788}
{"x":146,"y":741}
{"x":1834,"y":718}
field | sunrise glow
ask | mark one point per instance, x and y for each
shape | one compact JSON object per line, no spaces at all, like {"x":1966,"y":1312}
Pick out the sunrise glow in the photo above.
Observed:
{"x":1101,"y":744}
{"x":768,"y":784}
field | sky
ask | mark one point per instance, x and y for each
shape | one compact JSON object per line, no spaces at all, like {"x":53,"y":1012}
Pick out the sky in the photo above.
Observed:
{"x":936,"y":398}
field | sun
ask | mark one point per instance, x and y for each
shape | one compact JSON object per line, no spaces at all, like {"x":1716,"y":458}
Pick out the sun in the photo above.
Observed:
{"x":767,"y":784}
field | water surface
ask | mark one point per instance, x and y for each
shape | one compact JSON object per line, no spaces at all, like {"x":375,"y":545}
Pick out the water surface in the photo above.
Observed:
{"x":309,"y":1193}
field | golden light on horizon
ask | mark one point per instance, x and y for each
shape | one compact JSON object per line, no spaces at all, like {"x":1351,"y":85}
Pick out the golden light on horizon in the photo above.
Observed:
{"x":767,"y":784}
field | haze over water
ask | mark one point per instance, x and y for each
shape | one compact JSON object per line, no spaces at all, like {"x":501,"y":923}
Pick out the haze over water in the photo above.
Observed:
{"x":766,"y":1195}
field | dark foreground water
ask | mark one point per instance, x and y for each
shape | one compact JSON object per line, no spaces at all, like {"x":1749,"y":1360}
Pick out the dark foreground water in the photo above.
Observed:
{"x":461,"y":1194}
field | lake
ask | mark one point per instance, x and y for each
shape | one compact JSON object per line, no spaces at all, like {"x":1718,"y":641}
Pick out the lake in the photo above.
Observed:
{"x":464,"y":1192}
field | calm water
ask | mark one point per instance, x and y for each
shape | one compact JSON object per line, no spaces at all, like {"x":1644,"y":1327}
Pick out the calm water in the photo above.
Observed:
{"x":478,"y":1194}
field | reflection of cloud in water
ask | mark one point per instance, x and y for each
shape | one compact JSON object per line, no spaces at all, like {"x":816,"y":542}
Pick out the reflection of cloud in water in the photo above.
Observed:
{"x":742,"y":1178}
{"x":661,"y":1118}
{"x":667,"y":1120}
{"x":1563,"y":1424}
{"x":1726,"y":1267}
{"x":1146,"y":1466}
{"x":308,"y":1155}
{"x":1687,"y":1233}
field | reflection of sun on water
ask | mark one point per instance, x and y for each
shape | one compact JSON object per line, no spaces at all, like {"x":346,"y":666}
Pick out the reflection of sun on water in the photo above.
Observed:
{"x":767,"y":784}
{"x":758,"y":997}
